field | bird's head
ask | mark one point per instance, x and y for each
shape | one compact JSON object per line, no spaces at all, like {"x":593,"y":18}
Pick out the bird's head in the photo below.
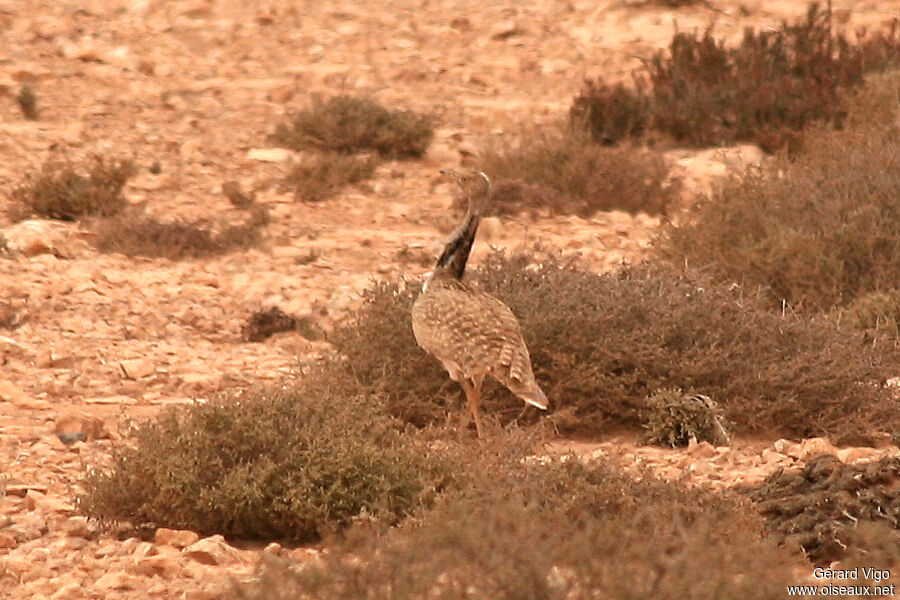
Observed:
{"x":475,"y":186}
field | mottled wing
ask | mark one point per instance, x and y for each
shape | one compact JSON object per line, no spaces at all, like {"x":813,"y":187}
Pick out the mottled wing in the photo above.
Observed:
{"x":474,"y":334}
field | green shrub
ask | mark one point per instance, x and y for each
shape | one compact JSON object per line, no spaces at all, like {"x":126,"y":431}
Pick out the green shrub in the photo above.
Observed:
{"x":563,"y":172}
{"x":60,"y":192}
{"x":325,"y":174}
{"x":766,"y":90}
{"x":349,"y":124}
{"x":816,"y":231}
{"x":675,"y":418}
{"x":553,"y":531}
{"x":601,"y":344}
{"x":287,"y":463}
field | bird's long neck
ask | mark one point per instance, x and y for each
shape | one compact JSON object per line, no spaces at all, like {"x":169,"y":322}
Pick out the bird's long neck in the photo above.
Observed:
{"x":456,"y":252}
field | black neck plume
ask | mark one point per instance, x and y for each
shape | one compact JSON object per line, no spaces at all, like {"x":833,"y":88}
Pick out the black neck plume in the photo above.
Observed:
{"x":456,"y":253}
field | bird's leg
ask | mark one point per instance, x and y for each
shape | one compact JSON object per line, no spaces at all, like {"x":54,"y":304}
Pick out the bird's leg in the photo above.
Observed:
{"x":472,"y":400}
{"x":471,"y":405}
{"x":465,"y":416}
{"x":475,"y":402}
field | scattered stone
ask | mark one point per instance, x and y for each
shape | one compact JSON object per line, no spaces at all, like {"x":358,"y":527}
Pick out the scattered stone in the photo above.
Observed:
{"x":815,"y":446}
{"x":111,"y":400}
{"x":10,"y":392}
{"x":115,"y":580}
{"x":80,"y":428}
{"x":78,"y":526}
{"x":137,"y":368}
{"x":504,"y":29}
{"x":34,"y":237}
{"x":35,"y":500}
{"x":179,"y":538}
{"x":158,"y":565}
{"x":271,"y":154}
{"x":213,"y":550}
{"x":20,"y":489}
{"x":7,"y":541}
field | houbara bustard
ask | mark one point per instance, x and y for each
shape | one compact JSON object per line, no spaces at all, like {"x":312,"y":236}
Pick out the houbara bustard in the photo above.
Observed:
{"x":472,"y":333}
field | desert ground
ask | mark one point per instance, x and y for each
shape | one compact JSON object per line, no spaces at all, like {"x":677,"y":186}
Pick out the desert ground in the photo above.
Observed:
{"x":197,"y":86}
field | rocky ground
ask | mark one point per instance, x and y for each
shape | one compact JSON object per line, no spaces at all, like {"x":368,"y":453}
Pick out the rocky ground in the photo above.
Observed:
{"x":196,"y":86}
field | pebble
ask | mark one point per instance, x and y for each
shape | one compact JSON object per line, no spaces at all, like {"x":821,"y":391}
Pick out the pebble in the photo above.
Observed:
{"x":178,"y":538}
{"x":213,"y":550}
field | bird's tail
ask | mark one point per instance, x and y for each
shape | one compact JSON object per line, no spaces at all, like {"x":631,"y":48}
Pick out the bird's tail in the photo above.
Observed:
{"x":535,"y":397}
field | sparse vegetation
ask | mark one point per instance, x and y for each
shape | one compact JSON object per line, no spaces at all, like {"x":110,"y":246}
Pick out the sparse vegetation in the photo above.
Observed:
{"x":142,"y":235}
{"x":601,"y":344}
{"x":349,"y":124}
{"x":817,"y":231}
{"x":28,"y":102}
{"x":561,"y":171}
{"x":766,"y":90}
{"x":289,"y":463}
{"x":675,"y":418}
{"x":560,"y":530}
{"x":59,"y":191}
{"x":237,"y":197}
{"x":263,"y":324}
{"x":324,"y":174}
{"x":832,"y":510}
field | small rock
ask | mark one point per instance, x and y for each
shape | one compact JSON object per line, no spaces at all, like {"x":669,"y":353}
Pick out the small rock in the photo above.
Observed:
{"x":504,"y":29}
{"x":7,"y":541}
{"x":80,"y":428}
{"x":78,"y":527}
{"x":213,"y":550}
{"x":69,"y":591}
{"x":787,"y":447}
{"x":10,"y":392}
{"x":271,"y":154}
{"x":701,"y":449}
{"x":34,"y":237}
{"x":855,"y":455}
{"x":37,"y":501}
{"x":114,"y":580}
{"x":20,"y":489}
{"x":111,"y":400}
{"x":273,"y":548}
{"x":158,"y":565}
{"x":813,"y":446}
{"x":179,"y":538}
{"x":136,"y":368}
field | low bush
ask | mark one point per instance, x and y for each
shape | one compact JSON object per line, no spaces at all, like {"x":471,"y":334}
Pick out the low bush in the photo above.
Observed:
{"x":601,"y":344}
{"x":323,"y":175}
{"x":816,"y":231}
{"x":765,"y":90}
{"x":142,"y":235}
{"x":834,"y":511}
{"x":288,"y":463}
{"x":59,"y":191}
{"x":675,"y":418}
{"x":560,"y":530}
{"x":561,"y":171}
{"x":232,"y":190}
{"x":349,"y":124}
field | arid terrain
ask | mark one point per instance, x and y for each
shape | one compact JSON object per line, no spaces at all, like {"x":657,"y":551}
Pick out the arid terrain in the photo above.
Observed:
{"x":197,"y":86}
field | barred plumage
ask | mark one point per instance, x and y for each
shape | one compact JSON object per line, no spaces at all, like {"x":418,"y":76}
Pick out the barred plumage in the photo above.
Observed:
{"x":472,"y":333}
